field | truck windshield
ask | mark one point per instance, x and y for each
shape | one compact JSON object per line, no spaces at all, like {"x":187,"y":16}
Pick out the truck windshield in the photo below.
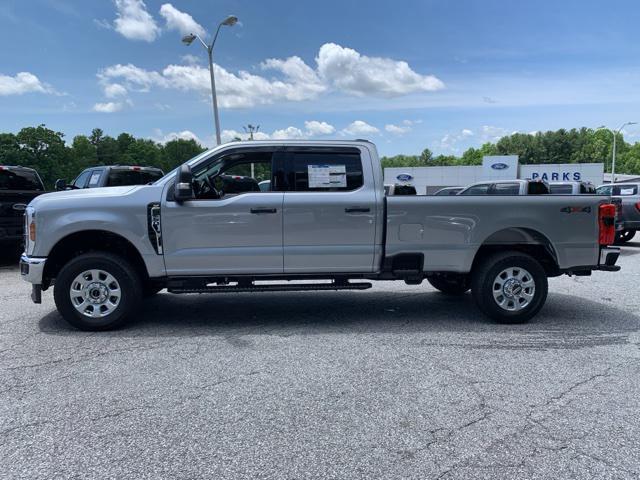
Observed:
{"x":118,"y":178}
{"x":19,"y":180}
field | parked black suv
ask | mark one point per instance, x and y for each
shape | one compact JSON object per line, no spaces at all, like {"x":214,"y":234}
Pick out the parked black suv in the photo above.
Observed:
{"x":18,"y":186}
{"x":112,"y":176}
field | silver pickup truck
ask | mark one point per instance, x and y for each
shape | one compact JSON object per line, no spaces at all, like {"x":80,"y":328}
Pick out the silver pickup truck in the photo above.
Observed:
{"x":324,"y":223}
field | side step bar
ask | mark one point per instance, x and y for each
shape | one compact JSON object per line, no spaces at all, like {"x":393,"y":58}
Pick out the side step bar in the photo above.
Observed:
{"x":283,"y":287}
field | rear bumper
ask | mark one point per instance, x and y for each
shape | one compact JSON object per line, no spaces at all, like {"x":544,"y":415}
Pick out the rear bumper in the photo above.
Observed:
{"x":32,"y":269}
{"x":608,"y":258}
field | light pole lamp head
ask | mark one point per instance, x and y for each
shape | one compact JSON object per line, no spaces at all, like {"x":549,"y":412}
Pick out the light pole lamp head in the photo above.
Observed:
{"x":188,"y":39}
{"x":230,"y":21}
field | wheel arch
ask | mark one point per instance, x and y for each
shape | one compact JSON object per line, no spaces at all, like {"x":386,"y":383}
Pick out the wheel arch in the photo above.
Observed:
{"x":86,"y":241}
{"x":521,"y":239}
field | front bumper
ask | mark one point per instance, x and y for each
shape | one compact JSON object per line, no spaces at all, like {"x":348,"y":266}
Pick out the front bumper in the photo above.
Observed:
{"x":32,"y":269}
{"x":608,"y":258}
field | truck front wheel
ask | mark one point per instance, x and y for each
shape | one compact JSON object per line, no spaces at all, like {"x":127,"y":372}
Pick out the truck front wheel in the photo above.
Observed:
{"x":509,"y":287}
{"x":97,"y":291}
{"x":450,"y":283}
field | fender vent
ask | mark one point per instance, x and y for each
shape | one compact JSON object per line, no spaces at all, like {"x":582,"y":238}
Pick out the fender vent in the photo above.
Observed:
{"x":154,"y":226}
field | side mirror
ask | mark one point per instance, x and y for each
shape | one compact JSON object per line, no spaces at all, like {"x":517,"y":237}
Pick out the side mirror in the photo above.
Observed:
{"x":60,"y":185}
{"x":183,"y":189}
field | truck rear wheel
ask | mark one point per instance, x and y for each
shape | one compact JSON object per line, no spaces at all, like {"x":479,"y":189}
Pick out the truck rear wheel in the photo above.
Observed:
{"x":509,"y":287}
{"x":97,"y":291}
{"x":450,"y":284}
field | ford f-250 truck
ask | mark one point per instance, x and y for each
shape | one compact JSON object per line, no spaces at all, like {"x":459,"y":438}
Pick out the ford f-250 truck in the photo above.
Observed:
{"x":324,"y":218}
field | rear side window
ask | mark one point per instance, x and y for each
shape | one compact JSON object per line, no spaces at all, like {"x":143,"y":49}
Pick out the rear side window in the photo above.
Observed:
{"x":561,"y":189}
{"x":94,"y":180}
{"x":20,"y":180}
{"x":119,"y":178}
{"x":505,"y":189}
{"x":538,"y":188}
{"x":604,"y":190}
{"x":477,"y":190}
{"x":325,"y":171}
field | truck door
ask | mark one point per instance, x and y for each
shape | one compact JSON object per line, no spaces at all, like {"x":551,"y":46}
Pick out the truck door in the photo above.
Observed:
{"x":330,"y":210}
{"x":231,"y":227}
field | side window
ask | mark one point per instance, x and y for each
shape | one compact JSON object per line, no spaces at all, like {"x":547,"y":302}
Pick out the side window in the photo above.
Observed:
{"x":81,"y":180}
{"x":505,"y":189}
{"x":94,"y":180}
{"x":482,"y":189}
{"x":330,"y":171}
{"x":234,"y":174}
{"x":538,"y":188}
{"x":604,"y":190}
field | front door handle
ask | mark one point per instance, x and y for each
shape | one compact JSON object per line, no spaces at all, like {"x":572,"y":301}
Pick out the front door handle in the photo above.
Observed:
{"x":357,"y":210}
{"x":263,"y":210}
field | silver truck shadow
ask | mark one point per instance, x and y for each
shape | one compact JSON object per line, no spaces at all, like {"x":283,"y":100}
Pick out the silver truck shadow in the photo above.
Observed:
{"x":565,"y":322}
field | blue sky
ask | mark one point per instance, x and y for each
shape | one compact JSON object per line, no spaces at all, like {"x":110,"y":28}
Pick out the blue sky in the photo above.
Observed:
{"x":441,"y":74}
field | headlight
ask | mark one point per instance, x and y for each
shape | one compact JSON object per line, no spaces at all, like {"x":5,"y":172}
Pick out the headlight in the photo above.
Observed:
{"x":29,"y":230}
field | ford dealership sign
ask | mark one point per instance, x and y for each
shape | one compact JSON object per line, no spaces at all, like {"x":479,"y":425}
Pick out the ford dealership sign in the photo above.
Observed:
{"x":404,"y":177}
{"x":499,"y":166}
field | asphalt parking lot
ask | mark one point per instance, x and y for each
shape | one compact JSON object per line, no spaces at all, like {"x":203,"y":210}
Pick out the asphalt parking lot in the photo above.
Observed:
{"x":395,"y":382}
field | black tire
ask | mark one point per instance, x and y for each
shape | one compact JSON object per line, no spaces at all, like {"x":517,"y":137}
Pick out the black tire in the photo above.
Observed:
{"x":624,"y":236}
{"x":130,"y":290}
{"x":450,"y":284}
{"x":484,"y":281}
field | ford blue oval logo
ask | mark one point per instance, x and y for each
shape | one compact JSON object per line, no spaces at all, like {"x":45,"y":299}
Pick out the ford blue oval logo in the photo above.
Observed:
{"x":404,"y":177}
{"x":499,"y":166}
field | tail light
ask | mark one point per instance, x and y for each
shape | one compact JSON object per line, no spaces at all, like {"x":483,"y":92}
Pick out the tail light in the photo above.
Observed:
{"x":607,"y":224}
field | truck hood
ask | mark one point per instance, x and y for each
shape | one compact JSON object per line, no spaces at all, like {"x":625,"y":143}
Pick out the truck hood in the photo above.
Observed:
{"x":80,"y":195}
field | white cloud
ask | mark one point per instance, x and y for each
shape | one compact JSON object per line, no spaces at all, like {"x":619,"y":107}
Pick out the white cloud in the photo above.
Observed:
{"x":467,"y":133}
{"x":180,"y":21}
{"x":489,"y":133}
{"x":113,"y":90}
{"x":190,"y":59}
{"x":289,"y":133}
{"x":316,"y":128}
{"x":359,"y":127}
{"x":108,"y":107}
{"x":231,"y":135}
{"x":183,"y":135}
{"x":397,"y":129}
{"x":23,"y":82}
{"x":134,"y":22}
{"x":349,"y":71}
{"x":338,"y":68}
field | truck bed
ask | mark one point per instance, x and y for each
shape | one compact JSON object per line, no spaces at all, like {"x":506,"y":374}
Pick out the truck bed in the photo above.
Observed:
{"x":448,"y":231}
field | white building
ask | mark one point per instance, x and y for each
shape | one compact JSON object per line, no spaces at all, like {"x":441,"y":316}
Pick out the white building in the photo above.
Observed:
{"x":428,"y":180}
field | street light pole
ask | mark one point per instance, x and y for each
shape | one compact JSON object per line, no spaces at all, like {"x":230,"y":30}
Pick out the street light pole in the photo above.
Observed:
{"x":613,"y":153}
{"x":230,"y":21}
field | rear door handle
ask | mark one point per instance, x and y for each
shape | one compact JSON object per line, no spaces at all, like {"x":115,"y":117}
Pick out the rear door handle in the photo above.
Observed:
{"x":20,"y":207}
{"x":263,"y":210}
{"x":357,"y":210}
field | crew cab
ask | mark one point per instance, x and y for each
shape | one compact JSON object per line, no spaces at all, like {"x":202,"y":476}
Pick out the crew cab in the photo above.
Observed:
{"x":507,"y":187}
{"x":627,"y":196}
{"x":111,"y":176}
{"x":18,"y":186}
{"x":324,"y":224}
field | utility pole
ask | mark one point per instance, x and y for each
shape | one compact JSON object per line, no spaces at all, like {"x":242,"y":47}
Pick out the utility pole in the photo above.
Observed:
{"x":251,"y":129}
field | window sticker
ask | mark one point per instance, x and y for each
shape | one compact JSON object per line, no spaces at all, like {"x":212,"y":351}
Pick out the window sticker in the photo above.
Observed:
{"x":327,"y":176}
{"x":95,"y":177}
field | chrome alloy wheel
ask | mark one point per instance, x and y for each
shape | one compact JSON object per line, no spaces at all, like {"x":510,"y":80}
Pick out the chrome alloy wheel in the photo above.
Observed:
{"x":513,"y":289}
{"x":95,"y":293}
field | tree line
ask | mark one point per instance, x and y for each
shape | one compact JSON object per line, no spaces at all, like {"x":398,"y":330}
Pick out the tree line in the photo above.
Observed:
{"x":584,"y":145}
{"x":46,"y":151}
